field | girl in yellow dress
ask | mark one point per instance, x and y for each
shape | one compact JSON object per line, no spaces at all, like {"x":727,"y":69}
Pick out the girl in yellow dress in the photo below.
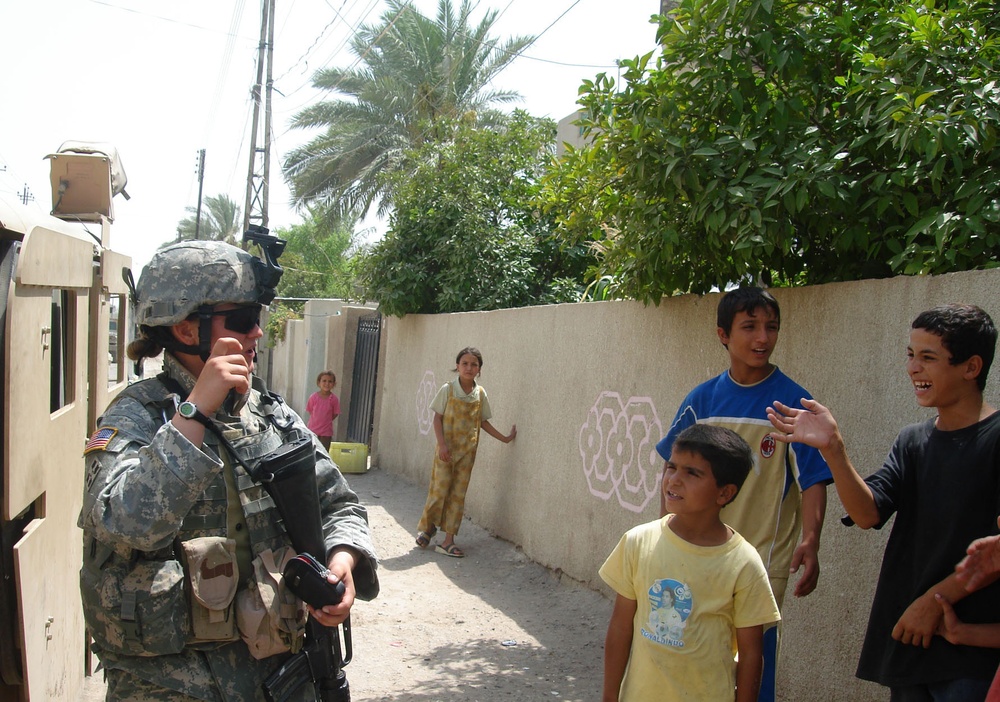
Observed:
{"x":460,"y":409}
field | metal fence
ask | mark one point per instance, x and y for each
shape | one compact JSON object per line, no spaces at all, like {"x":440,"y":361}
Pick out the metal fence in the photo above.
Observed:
{"x":362,"y":413}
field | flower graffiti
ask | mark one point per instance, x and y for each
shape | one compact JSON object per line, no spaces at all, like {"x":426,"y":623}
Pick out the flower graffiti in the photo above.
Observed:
{"x":618,"y":449}
{"x":425,"y":394}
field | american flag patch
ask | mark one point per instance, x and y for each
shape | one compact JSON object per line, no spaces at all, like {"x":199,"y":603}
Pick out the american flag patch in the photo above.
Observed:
{"x":99,"y":441}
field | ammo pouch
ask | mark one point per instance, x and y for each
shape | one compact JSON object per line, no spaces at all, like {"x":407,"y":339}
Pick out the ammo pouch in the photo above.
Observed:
{"x":214,"y":576}
{"x":271,"y":619}
{"x":134,"y":606}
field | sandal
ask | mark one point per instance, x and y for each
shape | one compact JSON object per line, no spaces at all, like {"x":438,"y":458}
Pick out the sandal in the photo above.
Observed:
{"x":450,"y":550}
{"x":423,"y":539}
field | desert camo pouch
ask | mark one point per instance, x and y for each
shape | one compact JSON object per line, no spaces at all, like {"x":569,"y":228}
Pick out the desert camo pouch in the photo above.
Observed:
{"x":213,"y":576}
{"x":271,"y":618}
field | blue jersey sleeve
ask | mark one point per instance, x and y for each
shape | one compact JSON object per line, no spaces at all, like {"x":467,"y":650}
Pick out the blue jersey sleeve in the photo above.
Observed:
{"x":686,"y":416}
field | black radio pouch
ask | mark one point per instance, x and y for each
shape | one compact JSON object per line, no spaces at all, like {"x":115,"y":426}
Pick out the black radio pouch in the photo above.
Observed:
{"x":306,"y":578}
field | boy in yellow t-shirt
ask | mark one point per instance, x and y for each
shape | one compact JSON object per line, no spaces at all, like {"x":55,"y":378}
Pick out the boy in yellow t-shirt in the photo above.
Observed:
{"x":692,"y":593}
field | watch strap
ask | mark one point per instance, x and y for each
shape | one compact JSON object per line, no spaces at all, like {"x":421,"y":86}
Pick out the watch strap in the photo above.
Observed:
{"x":197,"y":415}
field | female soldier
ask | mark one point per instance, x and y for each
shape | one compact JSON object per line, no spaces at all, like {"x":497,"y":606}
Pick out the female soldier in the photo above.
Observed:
{"x":182,"y":548}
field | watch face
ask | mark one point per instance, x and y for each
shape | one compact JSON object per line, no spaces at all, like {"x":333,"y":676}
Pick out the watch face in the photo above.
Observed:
{"x":187,"y":410}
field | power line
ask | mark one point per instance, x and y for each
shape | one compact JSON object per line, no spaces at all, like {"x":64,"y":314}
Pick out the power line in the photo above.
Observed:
{"x":337,"y":16}
{"x":568,"y":65}
{"x":353,"y":33}
{"x":236,"y":19}
{"x":158,"y":17}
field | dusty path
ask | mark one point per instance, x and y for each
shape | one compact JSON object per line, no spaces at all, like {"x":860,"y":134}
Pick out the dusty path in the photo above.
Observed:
{"x":490,"y":627}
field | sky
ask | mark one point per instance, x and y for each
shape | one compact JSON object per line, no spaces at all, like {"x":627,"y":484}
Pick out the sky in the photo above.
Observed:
{"x":163,"y":80}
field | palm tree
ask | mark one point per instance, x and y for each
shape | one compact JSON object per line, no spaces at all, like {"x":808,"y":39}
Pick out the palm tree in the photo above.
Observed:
{"x":415,"y":73}
{"x":220,"y":221}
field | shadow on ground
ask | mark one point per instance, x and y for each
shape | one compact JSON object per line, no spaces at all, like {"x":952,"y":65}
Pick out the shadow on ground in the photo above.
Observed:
{"x":494,"y":624}
{"x":490,"y":627}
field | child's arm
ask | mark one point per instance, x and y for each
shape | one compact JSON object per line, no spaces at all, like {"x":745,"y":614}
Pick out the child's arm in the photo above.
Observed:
{"x":924,"y":617}
{"x":442,"y":447}
{"x":816,"y":427}
{"x":750,"y":663}
{"x":495,"y":433}
{"x":961,"y":634}
{"x":807,"y":552}
{"x":617,"y":647}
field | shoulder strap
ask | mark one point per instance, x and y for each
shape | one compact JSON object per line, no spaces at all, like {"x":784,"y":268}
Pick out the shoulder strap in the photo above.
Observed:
{"x":172,"y":385}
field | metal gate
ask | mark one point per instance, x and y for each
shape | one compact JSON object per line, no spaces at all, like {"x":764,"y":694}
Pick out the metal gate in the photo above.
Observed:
{"x":362,"y":413}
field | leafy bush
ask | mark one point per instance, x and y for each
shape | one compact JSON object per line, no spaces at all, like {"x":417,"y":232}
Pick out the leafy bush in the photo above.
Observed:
{"x":784,"y":141}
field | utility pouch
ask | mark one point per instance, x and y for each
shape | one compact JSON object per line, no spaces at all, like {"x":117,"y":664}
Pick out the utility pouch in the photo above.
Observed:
{"x":134,"y":606}
{"x":270,"y":617}
{"x":214,"y":575}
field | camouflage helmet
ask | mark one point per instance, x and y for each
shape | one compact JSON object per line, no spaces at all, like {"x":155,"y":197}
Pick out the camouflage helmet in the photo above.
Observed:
{"x":183,"y":277}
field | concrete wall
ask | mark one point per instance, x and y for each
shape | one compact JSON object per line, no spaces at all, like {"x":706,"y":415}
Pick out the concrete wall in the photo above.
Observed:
{"x":593,"y":386}
{"x":320,"y":316}
{"x":287,"y":366}
{"x":325,"y":339}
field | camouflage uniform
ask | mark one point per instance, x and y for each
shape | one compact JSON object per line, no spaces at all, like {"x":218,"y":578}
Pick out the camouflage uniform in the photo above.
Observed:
{"x":149,"y":491}
{"x":150,"y":486}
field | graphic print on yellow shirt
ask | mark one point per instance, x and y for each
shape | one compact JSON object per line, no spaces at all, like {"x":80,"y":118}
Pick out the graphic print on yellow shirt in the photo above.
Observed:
{"x":670,"y":606}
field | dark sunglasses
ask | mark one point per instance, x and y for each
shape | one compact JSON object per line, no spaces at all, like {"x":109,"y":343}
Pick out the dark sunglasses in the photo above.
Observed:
{"x":241,"y":320}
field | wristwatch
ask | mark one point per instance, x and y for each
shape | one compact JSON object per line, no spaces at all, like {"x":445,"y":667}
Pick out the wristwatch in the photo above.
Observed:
{"x":189,"y":410}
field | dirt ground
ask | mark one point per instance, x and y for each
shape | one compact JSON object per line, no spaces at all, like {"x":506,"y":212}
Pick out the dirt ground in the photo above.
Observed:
{"x":490,"y":627}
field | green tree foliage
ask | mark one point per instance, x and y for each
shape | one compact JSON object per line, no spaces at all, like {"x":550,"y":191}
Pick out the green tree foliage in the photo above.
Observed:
{"x":790,"y":141}
{"x":414,"y":72}
{"x":317,"y":264}
{"x":220,"y":221}
{"x":317,"y":260}
{"x":465,"y":233}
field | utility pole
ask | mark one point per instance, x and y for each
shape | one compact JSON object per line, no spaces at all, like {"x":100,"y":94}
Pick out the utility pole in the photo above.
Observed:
{"x":201,"y":183}
{"x":255,"y":209}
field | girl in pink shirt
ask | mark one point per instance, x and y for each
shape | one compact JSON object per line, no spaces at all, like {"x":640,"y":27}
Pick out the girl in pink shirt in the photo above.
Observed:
{"x":323,"y":407}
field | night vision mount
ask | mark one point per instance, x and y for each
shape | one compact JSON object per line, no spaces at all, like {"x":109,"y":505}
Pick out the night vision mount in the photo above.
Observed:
{"x":267,"y":272}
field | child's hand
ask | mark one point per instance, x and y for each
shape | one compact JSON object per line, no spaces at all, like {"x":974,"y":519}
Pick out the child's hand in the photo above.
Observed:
{"x":919,"y":622}
{"x":983,"y":562}
{"x":444,"y":454}
{"x":806,"y":556}
{"x":951,"y":627}
{"x":813,"y":426}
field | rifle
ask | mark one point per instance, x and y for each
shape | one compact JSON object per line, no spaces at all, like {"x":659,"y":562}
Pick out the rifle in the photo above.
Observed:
{"x":289,"y":477}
